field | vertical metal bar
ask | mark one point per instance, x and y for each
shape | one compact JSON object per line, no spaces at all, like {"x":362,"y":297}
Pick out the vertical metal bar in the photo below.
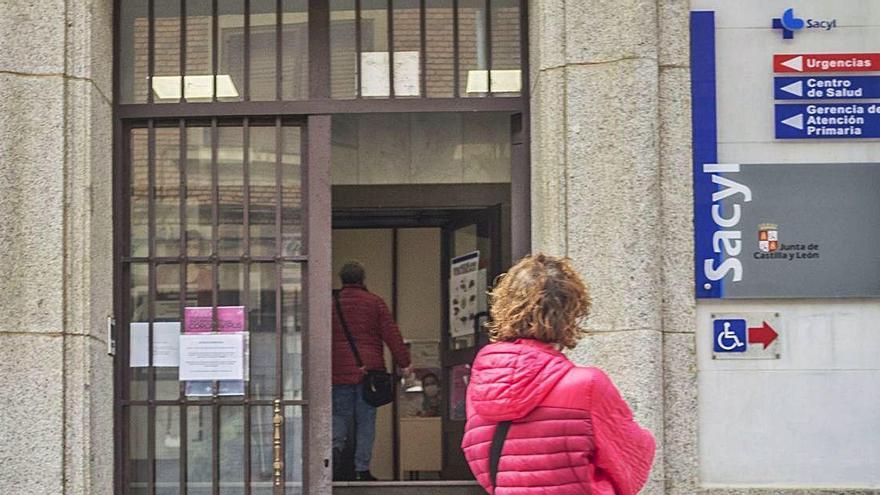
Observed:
{"x":423,"y":49}
{"x":246,"y":210}
{"x":358,"y":48}
{"x":151,"y":302}
{"x":494,"y":231}
{"x":395,"y":407}
{"x":456,"y":90}
{"x":120,"y":382}
{"x":519,"y":189}
{"x":182,"y":154}
{"x":310,"y":472}
{"x":181,"y":173}
{"x":523,"y":173}
{"x":524,"y":56}
{"x":319,"y":49}
{"x":279,"y":330}
{"x":215,"y":290}
{"x":182,"y":52}
{"x":390,"y":48}
{"x":215,"y":48}
{"x":279,"y":47}
{"x":215,"y":445}
{"x":446,"y":253}
{"x":318,"y":327}
{"x":122,"y":279}
{"x":247,"y":445}
{"x":395,"y":248}
{"x":246,"y":56}
{"x":246,"y":296}
{"x":120,"y":165}
{"x":184,"y":452}
{"x":279,"y":149}
{"x":151,"y":47}
{"x":488,"y":47}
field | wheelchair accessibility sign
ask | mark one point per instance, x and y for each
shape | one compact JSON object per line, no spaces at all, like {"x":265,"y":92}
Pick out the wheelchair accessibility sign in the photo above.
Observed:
{"x":745,"y":335}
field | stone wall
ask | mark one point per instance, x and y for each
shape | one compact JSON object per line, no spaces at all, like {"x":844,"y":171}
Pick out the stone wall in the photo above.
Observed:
{"x":56,"y":386}
{"x":611,"y":189}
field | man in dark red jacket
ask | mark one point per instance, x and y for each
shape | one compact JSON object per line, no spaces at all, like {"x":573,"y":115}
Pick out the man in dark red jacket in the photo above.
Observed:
{"x":370,"y":324}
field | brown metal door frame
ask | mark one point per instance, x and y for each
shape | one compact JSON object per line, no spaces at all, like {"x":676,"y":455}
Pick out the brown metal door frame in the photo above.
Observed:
{"x":314,"y":115}
{"x":317,"y":476}
{"x":315,"y":179}
{"x":490,"y":219}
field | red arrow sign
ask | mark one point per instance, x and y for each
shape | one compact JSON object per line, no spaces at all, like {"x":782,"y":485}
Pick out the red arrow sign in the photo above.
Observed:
{"x":762,"y":335}
{"x":827,"y":62}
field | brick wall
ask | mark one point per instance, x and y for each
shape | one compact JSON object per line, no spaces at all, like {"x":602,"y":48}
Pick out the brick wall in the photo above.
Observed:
{"x":439,"y":63}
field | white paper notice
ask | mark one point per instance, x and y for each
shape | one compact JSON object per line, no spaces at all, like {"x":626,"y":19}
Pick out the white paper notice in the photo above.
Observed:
{"x":212,"y":356}
{"x":166,"y":340}
{"x":375,"y":77}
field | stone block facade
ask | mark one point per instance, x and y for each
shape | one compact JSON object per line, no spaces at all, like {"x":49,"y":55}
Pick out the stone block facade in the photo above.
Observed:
{"x":56,"y":384}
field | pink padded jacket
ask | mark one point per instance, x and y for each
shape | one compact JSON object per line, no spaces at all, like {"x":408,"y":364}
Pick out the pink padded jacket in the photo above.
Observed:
{"x":572,"y":433}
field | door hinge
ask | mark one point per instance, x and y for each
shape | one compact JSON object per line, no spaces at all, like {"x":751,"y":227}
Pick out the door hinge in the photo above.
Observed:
{"x":111,"y":336}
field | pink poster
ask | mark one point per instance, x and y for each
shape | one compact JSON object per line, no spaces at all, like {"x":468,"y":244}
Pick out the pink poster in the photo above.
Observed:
{"x":230,"y":319}
{"x":199,"y":319}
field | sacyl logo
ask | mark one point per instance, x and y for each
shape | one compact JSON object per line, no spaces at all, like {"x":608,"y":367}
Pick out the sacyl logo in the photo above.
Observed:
{"x":727,"y":240}
{"x":788,"y":23}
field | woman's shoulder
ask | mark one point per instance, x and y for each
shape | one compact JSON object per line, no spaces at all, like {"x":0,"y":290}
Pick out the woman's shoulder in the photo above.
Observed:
{"x":575,"y":390}
{"x":588,"y":374}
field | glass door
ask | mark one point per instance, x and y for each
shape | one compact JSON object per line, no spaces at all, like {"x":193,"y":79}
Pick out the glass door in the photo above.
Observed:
{"x":213,"y":272}
{"x":471,"y":261}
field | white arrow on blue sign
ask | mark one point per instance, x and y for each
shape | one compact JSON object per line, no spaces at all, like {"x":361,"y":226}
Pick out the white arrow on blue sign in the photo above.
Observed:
{"x":828,"y":121}
{"x":825,"y":88}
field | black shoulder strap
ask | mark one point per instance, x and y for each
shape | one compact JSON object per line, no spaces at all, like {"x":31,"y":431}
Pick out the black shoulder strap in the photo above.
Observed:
{"x":495,"y":451}
{"x":354,"y":349}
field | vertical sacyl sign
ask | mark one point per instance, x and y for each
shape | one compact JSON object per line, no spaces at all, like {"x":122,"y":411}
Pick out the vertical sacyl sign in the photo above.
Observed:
{"x":718,"y":195}
{"x":707,"y":177}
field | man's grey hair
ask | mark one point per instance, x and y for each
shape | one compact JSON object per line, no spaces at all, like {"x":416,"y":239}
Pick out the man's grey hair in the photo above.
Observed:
{"x":352,"y":272}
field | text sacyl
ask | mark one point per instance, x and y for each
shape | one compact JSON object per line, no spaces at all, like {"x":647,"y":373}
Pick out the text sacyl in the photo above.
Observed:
{"x":727,"y":240}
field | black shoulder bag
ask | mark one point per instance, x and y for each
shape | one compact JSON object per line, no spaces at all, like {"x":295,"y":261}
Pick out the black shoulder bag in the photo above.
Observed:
{"x":495,"y":450}
{"x":378,"y":385}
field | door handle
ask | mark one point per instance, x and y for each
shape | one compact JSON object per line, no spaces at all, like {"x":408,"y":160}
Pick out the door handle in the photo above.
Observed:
{"x":278,"y":464}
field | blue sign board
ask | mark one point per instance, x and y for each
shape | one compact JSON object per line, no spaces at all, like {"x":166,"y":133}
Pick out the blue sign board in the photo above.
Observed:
{"x":705,"y":150}
{"x":828,"y":121}
{"x":826,"y":88}
{"x":729,"y":335}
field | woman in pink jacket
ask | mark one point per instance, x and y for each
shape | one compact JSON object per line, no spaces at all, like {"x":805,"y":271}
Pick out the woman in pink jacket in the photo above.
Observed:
{"x":538,"y":424}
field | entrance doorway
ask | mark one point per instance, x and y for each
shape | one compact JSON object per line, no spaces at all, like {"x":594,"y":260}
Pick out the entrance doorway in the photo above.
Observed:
{"x":425,"y":98}
{"x":432,"y":266}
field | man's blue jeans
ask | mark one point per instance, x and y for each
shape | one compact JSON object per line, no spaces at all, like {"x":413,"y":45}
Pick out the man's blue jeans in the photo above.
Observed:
{"x":348,"y":404}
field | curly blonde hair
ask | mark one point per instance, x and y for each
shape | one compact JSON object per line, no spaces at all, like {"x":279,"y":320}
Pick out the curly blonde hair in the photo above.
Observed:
{"x":542,"y":297}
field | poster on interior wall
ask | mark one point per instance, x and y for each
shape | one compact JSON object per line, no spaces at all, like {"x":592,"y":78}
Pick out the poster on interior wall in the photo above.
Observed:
{"x":463,"y":294}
